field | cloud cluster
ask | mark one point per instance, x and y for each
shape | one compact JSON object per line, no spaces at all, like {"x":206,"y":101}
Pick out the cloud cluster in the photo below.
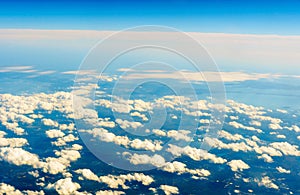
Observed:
{"x":114,"y":181}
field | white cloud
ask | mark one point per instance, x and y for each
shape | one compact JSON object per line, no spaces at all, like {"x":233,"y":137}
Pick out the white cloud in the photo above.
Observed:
{"x":168,"y":190}
{"x":105,"y":135}
{"x":241,"y":126}
{"x":197,"y":76}
{"x":179,"y":135}
{"x":65,"y":186}
{"x":180,"y":168}
{"x":54,"y":133}
{"x":9,"y":190}
{"x":241,"y":146}
{"x":124,"y":124}
{"x":13,"y":142}
{"x":87,"y":174}
{"x":114,"y":181}
{"x":282,"y":170}
{"x":228,"y":136}
{"x":62,"y":141}
{"x":195,"y":154}
{"x":282,"y":111}
{"x":143,"y":159}
{"x":109,"y":192}
{"x":281,"y":136}
{"x":267,"y":182}
{"x":159,"y":132}
{"x":266,"y":158}
{"x":238,"y":165}
{"x":137,"y":114}
{"x":49,"y":122}
{"x":54,"y":166}
{"x":286,"y":148}
{"x":18,"y":156}
{"x":275,"y":126}
{"x":255,"y":123}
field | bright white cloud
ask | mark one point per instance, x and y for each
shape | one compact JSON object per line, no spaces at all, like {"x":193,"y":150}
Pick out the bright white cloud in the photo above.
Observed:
{"x":168,"y":190}
{"x":238,"y":165}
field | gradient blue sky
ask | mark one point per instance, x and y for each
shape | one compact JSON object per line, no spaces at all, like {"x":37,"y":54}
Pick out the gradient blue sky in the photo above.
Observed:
{"x":231,"y":16}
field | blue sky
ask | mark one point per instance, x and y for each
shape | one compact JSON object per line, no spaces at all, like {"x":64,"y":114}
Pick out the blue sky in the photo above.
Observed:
{"x":279,"y":54}
{"x":249,"y":17}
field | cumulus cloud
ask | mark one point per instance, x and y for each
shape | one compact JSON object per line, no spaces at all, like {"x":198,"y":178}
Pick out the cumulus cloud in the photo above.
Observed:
{"x":49,"y":122}
{"x":114,"y":181}
{"x":54,"y":165}
{"x":241,"y":126}
{"x":180,"y":168}
{"x":125,"y":124}
{"x":106,"y":136}
{"x":13,"y":142}
{"x":109,"y":192}
{"x":266,"y":158}
{"x":87,"y":174}
{"x":18,"y":156}
{"x":195,"y":154}
{"x":54,"y":133}
{"x":281,"y":136}
{"x":266,"y":182}
{"x":282,"y":170}
{"x":65,"y":186}
{"x":143,"y":159}
{"x":168,"y":190}
{"x":238,"y":165}
{"x":8,"y":189}
{"x":228,"y":136}
{"x":286,"y":148}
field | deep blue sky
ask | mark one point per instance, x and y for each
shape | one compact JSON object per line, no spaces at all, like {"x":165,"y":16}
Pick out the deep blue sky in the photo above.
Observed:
{"x":254,"y":17}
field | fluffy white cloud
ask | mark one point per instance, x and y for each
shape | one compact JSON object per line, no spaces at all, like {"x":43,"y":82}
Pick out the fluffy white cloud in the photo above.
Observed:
{"x":266,"y":158}
{"x":18,"y":156}
{"x":124,"y":124}
{"x":241,"y":146}
{"x":50,"y":122}
{"x":281,"y":136}
{"x":143,"y":159}
{"x":159,"y":132}
{"x":266,"y":182}
{"x":228,"y":136}
{"x":241,"y":126}
{"x":106,"y":136}
{"x":62,"y":141}
{"x":275,"y":126}
{"x":195,"y":154}
{"x":137,"y":114}
{"x":65,"y":186}
{"x":255,"y":123}
{"x":13,"y":142}
{"x":282,"y":170}
{"x":286,"y":148}
{"x":87,"y":174}
{"x":9,"y":190}
{"x":179,"y":135}
{"x":54,"y":133}
{"x":54,"y":166}
{"x":109,"y":192}
{"x":236,"y":165}
{"x":168,"y":190}
{"x":179,"y":167}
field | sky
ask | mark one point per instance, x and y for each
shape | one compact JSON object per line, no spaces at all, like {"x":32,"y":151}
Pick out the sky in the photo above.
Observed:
{"x":239,"y":34}
{"x":231,"y":16}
